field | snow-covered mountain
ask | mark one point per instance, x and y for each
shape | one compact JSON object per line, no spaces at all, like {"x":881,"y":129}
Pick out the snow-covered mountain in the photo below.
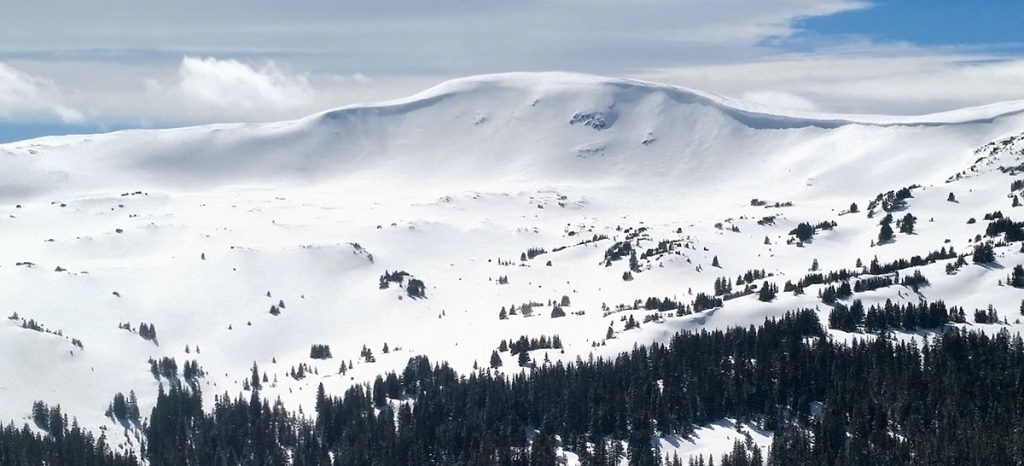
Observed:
{"x":201,"y":231}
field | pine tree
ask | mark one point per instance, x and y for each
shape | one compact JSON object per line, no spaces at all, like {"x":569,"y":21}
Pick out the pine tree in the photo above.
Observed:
{"x":983,"y":254}
{"x":767,"y":292}
{"x":885,"y":234}
{"x":524,"y":359}
{"x":133,"y":407}
{"x":119,"y":408}
{"x":907,"y":223}
{"x":495,"y":360}
{"x":1016,"y":279}
{"x":254,"y":380}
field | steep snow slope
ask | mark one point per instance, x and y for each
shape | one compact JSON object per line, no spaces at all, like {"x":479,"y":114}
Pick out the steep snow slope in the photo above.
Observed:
{"x":193,"y":227}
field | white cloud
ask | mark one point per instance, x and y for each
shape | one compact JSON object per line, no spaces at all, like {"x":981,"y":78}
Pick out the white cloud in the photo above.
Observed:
{"x":231,"y":87}
{"x":872,"y":81}
{"x":26,"y":96}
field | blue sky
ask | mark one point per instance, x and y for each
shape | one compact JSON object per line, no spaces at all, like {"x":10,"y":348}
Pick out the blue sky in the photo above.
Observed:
{"x":995,"y":24}
{"x":68,"y":66}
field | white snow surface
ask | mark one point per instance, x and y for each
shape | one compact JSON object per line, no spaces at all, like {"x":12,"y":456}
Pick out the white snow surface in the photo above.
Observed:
{"x":443,"y":185}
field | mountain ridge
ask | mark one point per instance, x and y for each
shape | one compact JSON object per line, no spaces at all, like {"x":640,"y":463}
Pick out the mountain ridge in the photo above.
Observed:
{"x":740,"y":109}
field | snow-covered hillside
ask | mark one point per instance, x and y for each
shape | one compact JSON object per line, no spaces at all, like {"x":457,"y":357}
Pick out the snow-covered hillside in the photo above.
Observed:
{"x":201,"y":231}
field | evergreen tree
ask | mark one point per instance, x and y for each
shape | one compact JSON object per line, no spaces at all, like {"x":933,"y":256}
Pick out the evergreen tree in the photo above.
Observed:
{"x":983,"y":254}
{"x":1016,"y":279}
{"x":907,"y":223}
{"x":254,"y":379}
{"x":767,"y":292}
{"x":885,"y":234}
{"x":524,"y":359}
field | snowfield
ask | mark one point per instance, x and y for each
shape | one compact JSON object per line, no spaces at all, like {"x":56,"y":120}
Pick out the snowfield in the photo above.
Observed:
{"x":199,"y":231}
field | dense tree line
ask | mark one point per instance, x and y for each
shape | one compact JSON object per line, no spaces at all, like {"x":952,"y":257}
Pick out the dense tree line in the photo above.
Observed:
{"x":958,"y":399}
{"x":62,"y":445}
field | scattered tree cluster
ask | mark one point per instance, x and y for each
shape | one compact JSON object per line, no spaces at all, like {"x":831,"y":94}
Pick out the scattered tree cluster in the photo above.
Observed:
{"x":892,"y":200}
{"x":320,"y":351}
{"x":893,"y":316}
{"x":879,"y":268}
{"x":915,"y":281}
{"x":986,"y":316}
{"x":147,"y":331}
{"x":984,"y":253}
{"x":414,"y":287}
{"x":524,"y":344}
{"x":805,"y":231}
{"x":618,"y":251}
{"x":1016,"y":278}
{"x":1012,"y":231}
{"x":872,"y":283}
{"x":531,"y":253}
{"x":767,"y":292}
{"x":124,"y":409}
{"x":703,"y":302}
{"x":667,"y":304}
{"x":388,"y":278}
